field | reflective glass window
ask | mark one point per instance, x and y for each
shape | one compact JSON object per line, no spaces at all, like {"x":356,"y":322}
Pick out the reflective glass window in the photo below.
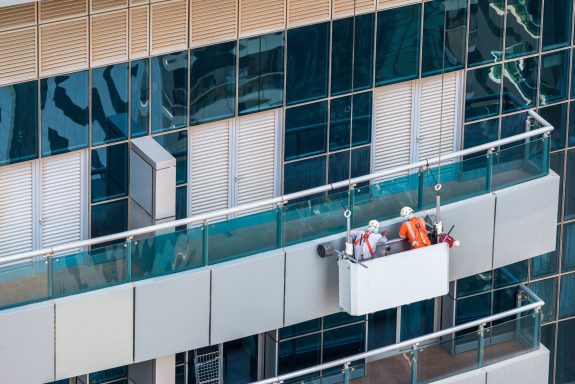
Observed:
{"x":304,"y":174}
{"x":108,"y":218}
{"x":520,"y":84}
{"x":382,"y":328}
{"x":480,"y":133}
{"x":307,"y":63}
{"x":339,"y":164}
{"x":397,"y":47}
{"x":342,"y":342}
{"x":565,"y":370}
{"x":169,"y":91}
{"x":417,"y":319}
{"x":523,"y":27}
{"x":510,"y":274}
{"x":340,"y":318}
{"x":109,"y":172}
{"x":554,"y":77}
{"x":181,"y":202}
{"x":305,"y":130}
{"x":140,"y":97}
{"x":556,"y":164}
{"x":300,"y":329}
{"x":556,"y":115}
{"x":340,"y":116}
{"x":568,"y":260}
{"x":570,"y":186}
{"x":472,"y":308}
{"x":547,"y":290}
{"x":107,"y":375}
{"x":64,"y":110}
{"x":352,"y":54}
{"x":482,"y":92}
{"x":109,"y":103}
{"x":485,"y":31}
{"x":241,"y":360}
{"x":557,"y":23}
{"x":547,"y":264}
{"x":571,"y":138}
{"x":299,"y":353}
{"x":18,"y":122}
{"x":474,"y":284}
{"x":512,"y":125}
{"x":567,"y":296}
{"x":261,"y":73}
{"x":441,"y":24}
{"x":548,"y":340}
{"x":177,"y":144}
{"x":504,"y":300}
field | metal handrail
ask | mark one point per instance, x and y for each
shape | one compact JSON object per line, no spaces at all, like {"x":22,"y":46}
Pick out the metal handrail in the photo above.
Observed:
{"x":536,"y":305}
{"x":203,"y":218}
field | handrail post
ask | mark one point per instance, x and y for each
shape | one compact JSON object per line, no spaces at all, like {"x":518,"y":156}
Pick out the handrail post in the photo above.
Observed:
{"x":129,"y":258}
{"x":546,"y":152}
{"x":50,"y":270}
{"x":414,"y":363}
{"x":537,"y":327}
{"x":279,"y":225}
{"x":205,"y":243}
{"x":420,"y":187}
{"x":481,"y":349}
{"x":351,"y":203}
{"x":346,"y":373}
{"x":489,"y":169}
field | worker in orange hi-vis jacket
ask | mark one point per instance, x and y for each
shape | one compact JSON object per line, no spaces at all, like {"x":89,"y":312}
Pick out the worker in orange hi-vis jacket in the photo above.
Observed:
{"x":413,"y":228}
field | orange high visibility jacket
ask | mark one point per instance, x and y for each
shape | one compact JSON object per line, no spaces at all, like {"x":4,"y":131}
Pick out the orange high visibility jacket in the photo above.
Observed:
{"x":414,"y":229}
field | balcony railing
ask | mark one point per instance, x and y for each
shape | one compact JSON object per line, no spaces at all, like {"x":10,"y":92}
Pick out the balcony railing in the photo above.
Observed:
{"x":245,"y":230}
{"x":438,"y":355}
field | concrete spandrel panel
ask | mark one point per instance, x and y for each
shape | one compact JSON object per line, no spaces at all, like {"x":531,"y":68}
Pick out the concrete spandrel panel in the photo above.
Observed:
{"x":247,"y":296}
{"x":94,"y":331}
{"x":531,"y":368}
{"x":172,"y":314}
{"x":27,"y":344}
{"x":477,"y":376}
{"x":525,"y":220}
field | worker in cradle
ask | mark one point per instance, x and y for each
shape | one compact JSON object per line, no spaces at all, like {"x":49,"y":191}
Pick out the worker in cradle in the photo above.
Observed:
{"x":365,"y":242}
{"x":413,"y":229}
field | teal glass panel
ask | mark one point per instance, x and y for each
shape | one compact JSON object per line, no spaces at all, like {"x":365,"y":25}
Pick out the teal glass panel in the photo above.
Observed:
{"x":181,"y":202}
{"x":512,"y":125}
{"x":169,"y":91}
{"x":417,"y":319}
{"x":18,"y":122}
{"x":299,"y":353}
{"x":109,"y":172}
{"x":242,"y":236}
{"x":557,"y":23}
{"x":523,"y":27}
{"x":307,"y":63}
{"x":480,"y":133}
{"x":140,"y":97}
{"x":570,"y":185}
{"x":510,"y":274}
{"x":556,"y":115}
{"x":397,"y":46}
{"x":485,"y":31}
{"x":340,"y":120}
{"x":568,"y":250}
{"x":103,"y":377}
{"x":565,"y":371}
{"x":547,"y":264}
{"x":547,"y":291}
{"x":504,"y":300}
{"x":87,"y":271}
{"x":554,"y":83}
{"x":109,"y":104}
{"x":520,"y":163}
{"x":571,"y":138}
{"x":482,"y":92}
{"x":261,"y":73}
{"x":566,"y":297}
{"x":520,"y":84}
{"x":64,"y":111}
{"x":548,"y":340}
{"x":443,"y":28}
{"x":556,"y":162}
{"x":241,"y":360}
{"x":339,"y":164}
{"x":167,"y":253}
{"x":304,"y":174}
{"x":305,"y":130}
{"x":23,"y":283}
{"x":519,"y":333}
{"x":342,"y":342}
{"x":472,"y":308}
{"x":109,"y":218}
{"x":340,"y":318}
{"x":300,"y":329}
{"x":176,"y":144}
{"x":382,"y":328}
{"x":474,"y":284}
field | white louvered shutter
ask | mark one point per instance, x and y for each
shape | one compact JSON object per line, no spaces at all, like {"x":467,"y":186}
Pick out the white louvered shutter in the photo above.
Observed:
{"x":61,"y":199}
{"x":436,"y":120}
{"x":16,"y":233}
{"x":255,"y":159}
{"x":209,"y":162}
{"x":393,"y":120}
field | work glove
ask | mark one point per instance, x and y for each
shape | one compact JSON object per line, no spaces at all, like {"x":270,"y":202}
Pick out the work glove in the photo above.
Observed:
{"x":414,"y":244}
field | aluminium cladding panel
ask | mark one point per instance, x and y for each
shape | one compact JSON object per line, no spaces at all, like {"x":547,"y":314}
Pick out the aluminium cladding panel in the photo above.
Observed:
{"x":311,"y":281}
{"x":94,"y":331}
{"x":172,"y":314}
{"x":247,"y":296}
{"x":27,"y":344}
{"x":530,"y":368}
{"x":477,"y":376}
{"x":525,"y":220}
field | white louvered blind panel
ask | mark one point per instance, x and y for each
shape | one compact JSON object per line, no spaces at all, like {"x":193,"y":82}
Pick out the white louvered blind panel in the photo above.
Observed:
{"x":385,"y":4}
{"x":139,"y":32}
{"x":212,"y":22}
{"x":261,"y":16}
{"x":109,"y":36}
{"x":17,"y":16}
{"x":430,"y":115}
{"x":256,"y":149}
{"x":169,"y":24}
{"x":18,"y":55}
{"x":302,"y":12}
{"x":61,"y":199}
{"x":346,"y":8}
{"x":16,"y":209}
{"x":63,"y":47}
{"x":53,"y":10}
{"x":107,"y":5}
{"x":393,"y":117}
{"x":209,"y":161}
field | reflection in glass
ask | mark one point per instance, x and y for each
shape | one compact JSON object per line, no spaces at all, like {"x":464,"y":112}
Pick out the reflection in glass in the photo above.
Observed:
{"x":556,"y":24}
{"x":485,"y":31}
{"x":556,"y":115}
{"x":564,"y":372}
{"x":176,"y":144}
{"x":480,"y":133}
{"x":342,"y":342}
{"x":64,"y":109}
{"x":547,"y":291}
{"x":482,"y":92}
{"x":109,"y":172}
{"x":417,"y":319}
{"x":109,"y":103}
{"x":169,"y":91}
{"x":567,"y":298}
{"x":523,"y":27}
{"x":300,"y":329}
{"x":108,"y":218}
{"x":520,"y":84}
{"x":382,"y":328}
{"x":554,"y":81}
{"x":261,"y":73}
{"x":241,"y":360}
{"x":556,"y":164}
{"x":18,"y":122}
{"x":339,"y":164}
{"x":474,"y":284}
{"x":140,"y":97}
{"x":548,"y":340}
{"x":510,"y":274}
{"x":304,"y":174}
{"x":570,"y":185}
{"x":299,"y":353}
{"x":340,"y":115}
{"x":305,"y":130}
{"x":568,"y":260}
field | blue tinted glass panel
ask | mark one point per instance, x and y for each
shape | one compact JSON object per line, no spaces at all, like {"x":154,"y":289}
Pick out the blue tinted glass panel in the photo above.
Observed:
{"x":417,"y":319}
{"x":343,"y":342}
{"x":306,"y":130}
{"x":181,"y":202}
{"x":568,"y":261}
{"x":109,"y":172}
{"x":554,"y":77}
{"x":567,"y":296}
{"x":177,"y":145}
{"x":565,"y":370}
{"x":547,"y":290}
{"x":548,"y":340}
{"x":299,"y":353}
{"x":398,"y":38}
{"x":443,"y":28}
{"x":304,"y":174}
{"x":480,"y":133}
{"x":485,"y":31}
{"x":340,"y":114}
{"x":556,"y":115}
{"x":473,"y":308}
{"x":571,"y":138}
{"x":108,"y":375}
{"x":504,"y":300}
{"x":307,"y":63}
{"x":570,"y":186}
{"x":520,"y":84}
{"x":482,"y":92}
{"x":140,"y":97}
{"x":510,"y":274}
{"x":523,"y":27}
{"x":64,"y":109}
{"x":556,"y":164}
{"x":340,"y":318}
{"x":18,"y":122}
{"x":339,"y":164}
{"x":241,"y":360}
{"x":557,"y":23}
{"x":300,"y":329}
{"x":261,"y":73}
{"x":109,"y":103}
{"x":382,"y":328}
{"x":362,"y":109}
{"x":169,"y":91}
{"x":547,"y":264}
{"x":108,"y":218}
{"x":474,"y":284}
{"x":513,"y":125}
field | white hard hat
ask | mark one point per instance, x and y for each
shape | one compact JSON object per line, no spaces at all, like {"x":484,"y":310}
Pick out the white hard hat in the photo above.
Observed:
{"x":373,"y":226}
{"x":406,"y":211}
